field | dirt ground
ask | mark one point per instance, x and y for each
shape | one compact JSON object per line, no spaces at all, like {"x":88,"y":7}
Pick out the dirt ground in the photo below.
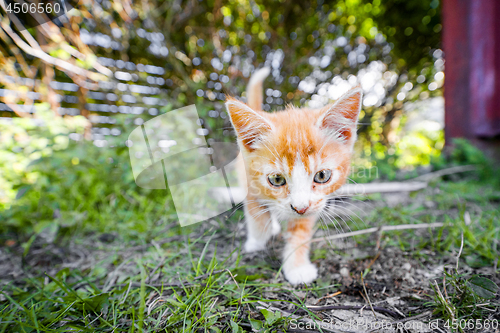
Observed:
{"x":394,"y":295}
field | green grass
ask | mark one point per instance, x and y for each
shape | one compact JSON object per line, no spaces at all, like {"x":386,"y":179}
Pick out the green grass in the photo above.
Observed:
{"x":199,"y":292}
{"x":131,"y":267}
{"x":464,"y":297}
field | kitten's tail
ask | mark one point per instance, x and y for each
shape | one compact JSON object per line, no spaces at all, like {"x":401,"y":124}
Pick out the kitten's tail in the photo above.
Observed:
{"x":254,"y":88}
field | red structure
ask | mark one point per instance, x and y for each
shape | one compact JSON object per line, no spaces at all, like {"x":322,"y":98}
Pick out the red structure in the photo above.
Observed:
{"x":471,"y":42}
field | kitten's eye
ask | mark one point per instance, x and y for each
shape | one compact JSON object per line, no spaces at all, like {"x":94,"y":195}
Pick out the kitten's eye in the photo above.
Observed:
{"x":322,"y":176}
{"x":276,"y":179}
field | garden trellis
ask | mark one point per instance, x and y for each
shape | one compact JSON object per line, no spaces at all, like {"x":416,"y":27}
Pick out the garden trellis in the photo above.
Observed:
{"x":135,"y":89}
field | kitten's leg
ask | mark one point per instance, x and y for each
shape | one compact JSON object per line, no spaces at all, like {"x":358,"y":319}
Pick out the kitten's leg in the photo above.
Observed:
{"x":259,"y":225}
{"x":296,"y":264}
{"x":275,"y":226}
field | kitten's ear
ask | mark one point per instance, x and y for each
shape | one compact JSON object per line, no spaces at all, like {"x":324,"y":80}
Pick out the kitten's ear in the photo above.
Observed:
{"x":251,"y":126}
{"x":341,"y":118}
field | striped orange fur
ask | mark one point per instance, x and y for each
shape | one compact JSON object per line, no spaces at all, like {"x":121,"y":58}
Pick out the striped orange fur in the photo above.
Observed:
{"x":294,"y":160}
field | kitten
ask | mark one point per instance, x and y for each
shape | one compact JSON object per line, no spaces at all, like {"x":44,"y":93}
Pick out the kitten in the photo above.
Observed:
{"x":294,"y":160}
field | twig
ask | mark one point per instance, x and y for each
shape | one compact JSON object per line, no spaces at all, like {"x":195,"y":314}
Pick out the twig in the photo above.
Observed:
{"x":373,"y":260}
{"x":368,"y":188}
{"x":21,"y":27}
{"x":209,"y":274}
{"x":384,"y":228}
{"x":233,"y":278}
{"x":467,"y":221}
{"x":329,"y":296}
{"x":367,"y":297}
{"x":126,"y":294}
{"x":460,"y":251}
{"x":66,"y":66}
{"x":387,"y":299}
{"x":156,"y":268}
{"x":444,"y":301}
{"x":400,"y":313}
{"x":445,"y":172}
{"x":444,"y":288}
{"x":99,"y":316}
{"x":150,"y":306}
{"x":379,"y":240}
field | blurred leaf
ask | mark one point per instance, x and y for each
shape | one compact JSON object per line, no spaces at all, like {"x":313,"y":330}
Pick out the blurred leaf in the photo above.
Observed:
{"x":256,"y":324}
{"x":271,"y":317}
{"x":241,"y":275}
{"x":483,"y":287}
{"x":236,"y":328}
{"x":22,"y":190}
{"x":476,"y":261}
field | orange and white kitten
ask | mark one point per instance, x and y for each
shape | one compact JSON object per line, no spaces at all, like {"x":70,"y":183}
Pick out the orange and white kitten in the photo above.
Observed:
{"x":294,"y":160}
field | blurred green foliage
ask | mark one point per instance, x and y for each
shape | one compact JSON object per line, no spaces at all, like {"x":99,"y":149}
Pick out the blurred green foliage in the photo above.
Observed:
{"x":24,"y":140}
{"x":210,"y":48}
{"x":214,"y":41}
{"x":65,"y":186}
{"x":465,"y":153}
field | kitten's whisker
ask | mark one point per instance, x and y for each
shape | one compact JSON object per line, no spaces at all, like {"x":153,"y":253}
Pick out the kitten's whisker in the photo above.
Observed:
{"x":258,"y":210}
{"x":344,"y":221}
{"x":350,"y":219}
{"x":350,"y":211}
{"x":256,"y":216}
{"x":334,"y":221}
{"x":348,"y":216}
{"x":327,"y":230}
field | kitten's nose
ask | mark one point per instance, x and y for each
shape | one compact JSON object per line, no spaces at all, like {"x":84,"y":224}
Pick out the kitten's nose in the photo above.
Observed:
{"x":300,"y":211}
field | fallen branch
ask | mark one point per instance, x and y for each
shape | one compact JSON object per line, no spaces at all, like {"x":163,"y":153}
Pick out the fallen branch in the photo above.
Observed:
{"x":368,"y":297}
{"x":209,"y":274}
{"x":38,"y":53}
{"x":369,"y":188}
{"x":445,"y":172}
{"x":381,"y":229}
{"x":328,"y":296}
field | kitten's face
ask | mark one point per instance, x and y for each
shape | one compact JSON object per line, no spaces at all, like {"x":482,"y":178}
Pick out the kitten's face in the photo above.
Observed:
{"x":295,"y":159}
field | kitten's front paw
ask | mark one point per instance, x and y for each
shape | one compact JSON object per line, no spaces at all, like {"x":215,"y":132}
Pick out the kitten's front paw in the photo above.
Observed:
{"x":302,"y":274}
{"x":254,"y":245}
